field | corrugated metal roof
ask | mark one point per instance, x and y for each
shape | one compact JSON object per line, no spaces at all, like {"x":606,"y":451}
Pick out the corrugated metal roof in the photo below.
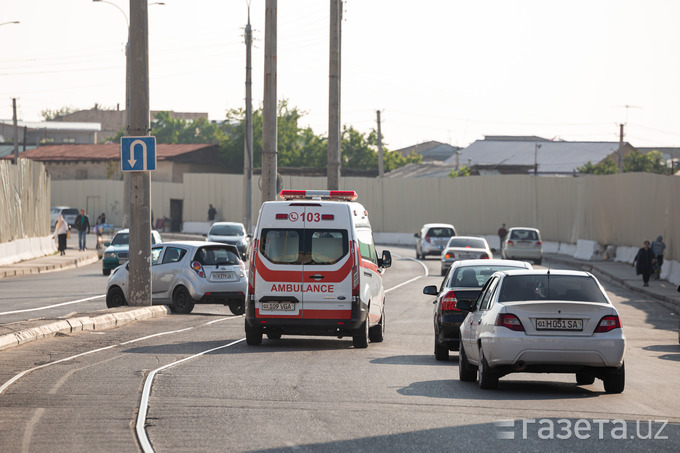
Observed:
{"x":552,"y":157}
{"x":56,"y":125}
{"x":75,"y":152}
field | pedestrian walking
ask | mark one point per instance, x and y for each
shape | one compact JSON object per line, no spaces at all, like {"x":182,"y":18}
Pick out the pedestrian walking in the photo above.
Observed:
{"x":61,"y":231}
{"x":212,"y":212}
{"x":502,"y":232}
{"x":83,"y":226}
{"x":644,"y":263}
{"x":658,"y":248}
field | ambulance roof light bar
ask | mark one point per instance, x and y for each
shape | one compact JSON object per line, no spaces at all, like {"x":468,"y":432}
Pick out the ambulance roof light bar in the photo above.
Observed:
{"x":345,"y":195}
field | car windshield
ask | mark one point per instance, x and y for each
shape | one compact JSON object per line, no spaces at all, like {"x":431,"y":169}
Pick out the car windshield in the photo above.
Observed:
{"x":475,"y":276}
{"x":467,"y":242}
{"x":226,"y":230}
{"x":70,"y":211}
{"x":440,"y":232}
{"x":524,"y":235}
{"x":551,"y":287}
{"x":121,"y":239}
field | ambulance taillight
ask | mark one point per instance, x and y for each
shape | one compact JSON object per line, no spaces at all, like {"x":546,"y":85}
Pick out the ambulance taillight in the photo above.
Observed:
{"x":251,"y":273}
{"x":354,"y":249}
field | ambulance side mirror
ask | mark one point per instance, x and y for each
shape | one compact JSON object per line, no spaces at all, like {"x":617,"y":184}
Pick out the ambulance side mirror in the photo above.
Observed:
{"x":386,"y":260}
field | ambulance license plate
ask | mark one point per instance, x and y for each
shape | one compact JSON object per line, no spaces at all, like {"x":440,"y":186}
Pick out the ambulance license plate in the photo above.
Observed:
{"x":278,"y":306}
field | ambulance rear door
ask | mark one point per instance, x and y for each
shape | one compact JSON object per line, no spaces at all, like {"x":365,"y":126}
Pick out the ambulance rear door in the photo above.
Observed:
{"x":329,"y":259}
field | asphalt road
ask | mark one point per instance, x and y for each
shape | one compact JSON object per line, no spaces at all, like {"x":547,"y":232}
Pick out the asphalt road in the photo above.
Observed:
{"x":212,"y":392}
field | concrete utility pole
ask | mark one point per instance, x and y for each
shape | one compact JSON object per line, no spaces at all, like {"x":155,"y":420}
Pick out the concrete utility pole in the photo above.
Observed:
{"x":381,"y":164}
{"x":620,"y":148}
{"x":334,"y":123}
{"x":140,"y":181}
{"x":248,"y":135}
{"x":16,"y":131}
{"x":269,"y":109}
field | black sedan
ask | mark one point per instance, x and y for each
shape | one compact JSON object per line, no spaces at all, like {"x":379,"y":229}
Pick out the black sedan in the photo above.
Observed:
{"x":464,"y":280}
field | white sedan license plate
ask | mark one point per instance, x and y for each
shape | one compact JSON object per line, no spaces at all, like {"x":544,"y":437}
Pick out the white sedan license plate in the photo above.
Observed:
{"x":278,"y":306}
{"x":559,"y":324}
{"x":222,"y":275}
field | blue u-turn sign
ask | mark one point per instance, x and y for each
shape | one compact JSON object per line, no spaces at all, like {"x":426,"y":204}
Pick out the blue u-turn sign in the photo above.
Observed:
{"x":138,"y":153}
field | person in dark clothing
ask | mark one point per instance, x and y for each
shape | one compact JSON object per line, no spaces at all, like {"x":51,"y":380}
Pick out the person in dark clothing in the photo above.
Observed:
{"x":502,"y":232}
{"x":212,"y":212}
{"x":83,"y":226}
{"x":658,"y":248}
{"x":644,"y":263}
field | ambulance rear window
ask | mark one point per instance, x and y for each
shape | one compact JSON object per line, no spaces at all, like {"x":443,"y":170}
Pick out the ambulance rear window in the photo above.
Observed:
{"x":304,"y":246}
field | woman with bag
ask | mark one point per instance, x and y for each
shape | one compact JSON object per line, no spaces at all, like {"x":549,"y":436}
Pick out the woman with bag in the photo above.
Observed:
{"x":61,"y":231}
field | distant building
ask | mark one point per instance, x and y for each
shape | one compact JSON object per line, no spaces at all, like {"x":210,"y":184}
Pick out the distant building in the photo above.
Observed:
{"x":430,"y":151}
{"x":521,"y":155}
{"x":113,"y":121}
{"x":49,"y":132}
{"x":103,"y":161}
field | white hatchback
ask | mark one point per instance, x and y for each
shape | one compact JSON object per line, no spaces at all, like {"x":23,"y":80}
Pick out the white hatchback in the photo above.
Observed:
{"x":542,"y":322}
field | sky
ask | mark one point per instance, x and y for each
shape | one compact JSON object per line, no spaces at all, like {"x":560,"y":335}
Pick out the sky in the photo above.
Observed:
{"x":453,"y":71}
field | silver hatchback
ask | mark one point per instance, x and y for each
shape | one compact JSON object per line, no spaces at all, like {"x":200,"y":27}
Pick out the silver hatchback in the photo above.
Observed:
{"x":186,"y":273}
{"x":432,"y":239}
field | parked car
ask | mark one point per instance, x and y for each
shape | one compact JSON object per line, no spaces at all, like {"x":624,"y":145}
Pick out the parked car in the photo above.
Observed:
{"x":523,"y":243}
{"x":69,"y":214}
{"x":432,"y":238}
{"x":231,"y":233}
{"x":464,"y":248}
{"x":118,"y":250}
{"x":548,"y":321}
{"x":464,"y":280}
{"x":185,"y":273}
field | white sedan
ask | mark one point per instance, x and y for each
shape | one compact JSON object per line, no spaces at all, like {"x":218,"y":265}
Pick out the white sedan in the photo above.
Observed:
{"x":464,"y":248}
{"x":542,"y":322}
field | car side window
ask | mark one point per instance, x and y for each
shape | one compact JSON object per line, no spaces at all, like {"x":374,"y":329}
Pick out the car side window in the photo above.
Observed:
{"x":173,"y":255}
{"x":490,"y":289}
{"x":155,"y":255}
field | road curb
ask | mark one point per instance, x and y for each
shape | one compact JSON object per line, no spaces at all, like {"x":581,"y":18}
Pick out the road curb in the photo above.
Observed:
{"x":28,"y":268}
{"x":81,"y":323}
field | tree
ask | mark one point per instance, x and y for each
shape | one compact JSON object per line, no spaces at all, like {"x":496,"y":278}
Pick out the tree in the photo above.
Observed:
{"x":651,"y":162}
{"x":167,"y":129}
{"x":462,"y":171}
{"x":51,"y":115}
{"x":606,"y":167}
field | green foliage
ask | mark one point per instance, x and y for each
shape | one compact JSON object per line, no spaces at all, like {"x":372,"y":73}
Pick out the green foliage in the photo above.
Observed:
{"x":651,"y":162}
{"x":174,"y":130}
{"x":462,"y":171}
{"x":51,"y":115}
{"x":606,"y":167}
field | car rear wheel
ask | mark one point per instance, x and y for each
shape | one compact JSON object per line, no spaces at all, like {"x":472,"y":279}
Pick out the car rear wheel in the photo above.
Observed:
{"x":615,"y":380}
{"x":466,"y":372}
{"x":360,"y":341}
{"x":487,"y":378}
{"x":377,"y":333}
{"x":253,"y":335}
{"x":115,"y":298}
{"x":106,"y":271}
{"x":441,"y":352}
{"x":238,"y":308}
{"x":584,"y":379}
{"x":181,"y":301}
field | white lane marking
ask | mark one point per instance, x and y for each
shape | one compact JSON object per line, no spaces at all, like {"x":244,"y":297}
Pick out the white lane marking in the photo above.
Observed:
{"x":414,"y":278}
{"x":52,"y":306}
{"x":144,"y":402}
{"x":6,"y":385}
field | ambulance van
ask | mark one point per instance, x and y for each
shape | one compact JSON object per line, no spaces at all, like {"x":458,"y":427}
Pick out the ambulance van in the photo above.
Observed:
{"x":314,"y":270}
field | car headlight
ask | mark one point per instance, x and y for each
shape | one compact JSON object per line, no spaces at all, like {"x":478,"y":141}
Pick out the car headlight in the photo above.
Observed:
{"x":110,"y":255}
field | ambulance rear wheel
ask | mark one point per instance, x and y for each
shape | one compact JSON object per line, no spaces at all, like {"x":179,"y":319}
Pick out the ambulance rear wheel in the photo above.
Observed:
{"x":360,"y":340}
{"x":253,"y":335}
